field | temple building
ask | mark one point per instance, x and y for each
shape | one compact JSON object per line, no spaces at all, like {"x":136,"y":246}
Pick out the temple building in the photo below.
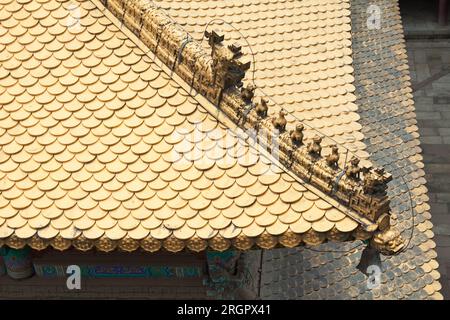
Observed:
{"x":174,"y":149}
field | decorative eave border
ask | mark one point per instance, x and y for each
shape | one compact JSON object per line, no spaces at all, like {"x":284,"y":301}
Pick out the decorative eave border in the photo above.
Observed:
{"x":242,"y":242}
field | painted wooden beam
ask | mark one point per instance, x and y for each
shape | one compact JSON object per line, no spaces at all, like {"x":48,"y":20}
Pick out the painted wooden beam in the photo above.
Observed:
{"x":18,"y":263}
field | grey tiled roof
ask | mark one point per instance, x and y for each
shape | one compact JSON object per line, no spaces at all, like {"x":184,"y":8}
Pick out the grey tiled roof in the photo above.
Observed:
{"x":386,"y":108}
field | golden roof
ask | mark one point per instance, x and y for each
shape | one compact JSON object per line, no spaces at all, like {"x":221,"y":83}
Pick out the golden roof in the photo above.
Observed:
{"x":102,"y":146}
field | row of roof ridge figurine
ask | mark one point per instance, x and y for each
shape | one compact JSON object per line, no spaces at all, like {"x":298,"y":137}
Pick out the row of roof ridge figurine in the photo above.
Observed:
{"x":229,"y":73}
{"x":374,"y":181}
